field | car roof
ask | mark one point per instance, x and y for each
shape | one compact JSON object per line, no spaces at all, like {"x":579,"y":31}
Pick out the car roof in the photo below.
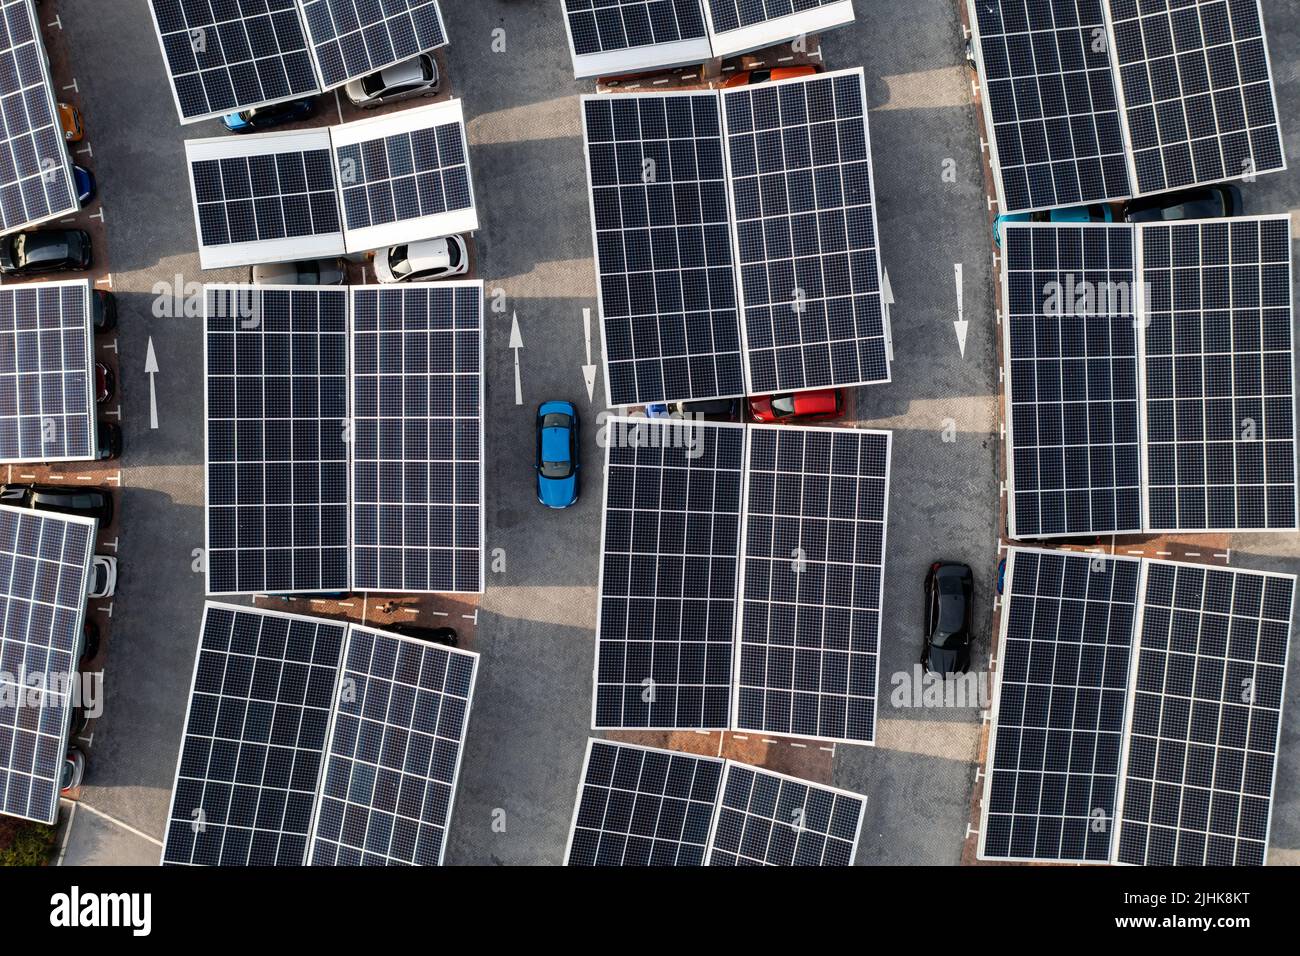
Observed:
{"x":408,"y":71}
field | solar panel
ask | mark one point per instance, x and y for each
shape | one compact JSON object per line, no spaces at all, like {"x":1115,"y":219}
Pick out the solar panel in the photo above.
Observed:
{"x":277,"y":456}
{"x":264,"y":199}
{"x":1203,"y":745}
{"x":737,"y":26}
{"x":46,"y":403}
{"x":668,"y":574}
{"x":1197,"y":90}
{"x":394,"y":752}
{"x":770,"y":819}
{"x":35,"y":169}
{"x":254,"y":738}
{"x":664,"y":261}
{"x":816,"y":504}
{"x":223,"y":56}
{"x":1219,"y":375}
{"x":44,"y":566}
{"x":1071,"y":369}
{"x":417,"y":462}
{"x":1050,"y":103}
{"x":642,"y":807}
{"x":805,"y":233}
{"x":404,"y":176}
{"x":1059,"y":707}
{"x":611,"y":36}
{"x":354,"y":37}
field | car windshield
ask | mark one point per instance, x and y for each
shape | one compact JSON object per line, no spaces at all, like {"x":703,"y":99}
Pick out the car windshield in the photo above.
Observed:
{"x":557,"y":469}
{"x":400,"y":264}
{"x":784,"y":405}
{"x":373,"y":84}
{"x":453,"y":254}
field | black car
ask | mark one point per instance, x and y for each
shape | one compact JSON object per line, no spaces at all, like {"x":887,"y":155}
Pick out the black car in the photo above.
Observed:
{"x":265,"y":117}
{"x":108,"y":441}
{"x":44,"y":250}
{"x":91,"y":502}
{"x":710,"y":410}
{"x":436,"y":635}
{"x":949,"y":594}
{"x":103,"y":311}
{"x":1205,"y":202}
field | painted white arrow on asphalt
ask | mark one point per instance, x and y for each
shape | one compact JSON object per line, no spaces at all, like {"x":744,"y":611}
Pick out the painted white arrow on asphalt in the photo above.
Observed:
{"x":588,"y":370}
{"x":961,"y":324}
{"x":517,"y":343}
{"x":151,"y":369}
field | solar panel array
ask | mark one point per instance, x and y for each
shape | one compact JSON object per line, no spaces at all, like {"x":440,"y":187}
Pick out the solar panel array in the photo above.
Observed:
{"x":1219,"y":374}
{"x":805,"y":233}
{"x":736,"y":26}
{"x":254,"y":739}
{"x":1063,"y":672}
{"x":664,"y":259}
{"x":1207,"y":702}
{"x":668,"y":575}
{"x":1052,"y":104}
{"x":643,"y":807}
{"x":35,"y":169}
{"x":354,"y":37}
{"x":277,"y":455}
{"x":1072,"y":380}
{"x":816,"y":504}
{"x":770,"y":819}
{"x":394,"y":752}
{"x":46,"y":404}
{"x":226,"y":56}
{"x":604,"y":26}
{"x":1198,"y":91}
{"x":44,"y":566}
{"x":417,"y":463}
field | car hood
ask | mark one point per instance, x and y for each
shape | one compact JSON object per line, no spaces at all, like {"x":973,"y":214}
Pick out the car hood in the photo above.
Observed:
{"x":944,"y":660}
{"x":815,"y":403}
{"x":557,"y":492}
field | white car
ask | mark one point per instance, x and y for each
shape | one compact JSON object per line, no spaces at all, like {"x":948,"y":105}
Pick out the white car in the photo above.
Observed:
{"x":423,"y":260}
{"x":103,"y":577}
{"x":417,"y":76}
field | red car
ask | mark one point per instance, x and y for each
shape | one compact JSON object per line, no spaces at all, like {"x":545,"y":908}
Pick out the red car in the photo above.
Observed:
{"x":813,"y":406}
{"x":745,"y":77}
{"x":105,"y":383}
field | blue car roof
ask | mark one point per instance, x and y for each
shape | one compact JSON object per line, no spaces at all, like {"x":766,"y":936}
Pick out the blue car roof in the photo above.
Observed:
{"x":555,"y":444}
{"x":565,"y":408}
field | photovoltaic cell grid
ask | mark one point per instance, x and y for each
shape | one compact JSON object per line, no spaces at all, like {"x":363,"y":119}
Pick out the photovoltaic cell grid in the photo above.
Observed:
{"x":770,"y":819}
{"x":1073,"y":392}
{"x":394,"y":752}
{"x":643,"y":807}
{"x":661,"y":229}
{"x":408,"y":175}
{"x":46,"y":406}
{"x":603,"y":26}
{"x":224,"y":56}
{"x":354,"y":37}
{"x":417,"y":491}
{"x":1198,"y":779}
{"x":814,"y":533}
{"x":1050,"y":94}
{"x":1197,"y":89}
{"x":35,"y":170}
{"x":277,"y":480}
{"x":265,"y":196}
{"x":805,"y":233}
{"x":254,"y":739}
{"x":1063,"y":674}
{"x":668,"y":578}
{"x":1220,"y":390}
{"x":44,"y":562}
{"x":729,"y":15}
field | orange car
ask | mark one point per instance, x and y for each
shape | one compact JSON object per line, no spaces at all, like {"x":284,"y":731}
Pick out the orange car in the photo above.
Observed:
{"x":745,"y":77}
{"x":73,"y":130}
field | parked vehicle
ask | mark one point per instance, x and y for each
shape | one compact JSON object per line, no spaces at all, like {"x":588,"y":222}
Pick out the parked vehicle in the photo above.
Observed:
{"x":103,"y":577}
{"x":417,"y":76}
{"x":86,"y":188}
{"x":1002,"y":574}
{"x":1204,"y":202}
{"x":44,"y":250}
{"x":423,"y":261}
{"x":557,"y":454}
{"x":711,"y":410}
{"x":949,"y":596}
{"x":1097,"y":213}
{"x":70,"y":119}
{"x":267,"y":117}
{"x":91,"y":502}
{"x":306,"y":272}
{"x":435,"y":635}
{"x":108,"y":441}
{"x":74,"y":770}
{"x":105,"y":383}
{"x":817,"y":405}
{"x":745,"y":77}
{"x":89,"y":643}
{"x":103,"y":311}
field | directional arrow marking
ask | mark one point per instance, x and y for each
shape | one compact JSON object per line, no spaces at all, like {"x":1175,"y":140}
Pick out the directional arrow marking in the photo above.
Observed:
{"x":151,"y":369}
{"x":961,"y":324}
{"x":588,"y":370}
{"x":517,"y":343}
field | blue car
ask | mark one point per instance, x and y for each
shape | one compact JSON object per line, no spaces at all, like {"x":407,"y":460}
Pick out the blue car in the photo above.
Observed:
{"x":265,"y":117}
{"x":557,"y":454}
{"x":1073,"y":214}
{"x":85,"y":185}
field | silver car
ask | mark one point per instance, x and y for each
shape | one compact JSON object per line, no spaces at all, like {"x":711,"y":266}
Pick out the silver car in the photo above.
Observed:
{"x":307,"y":272}
{"x":417,"y":76}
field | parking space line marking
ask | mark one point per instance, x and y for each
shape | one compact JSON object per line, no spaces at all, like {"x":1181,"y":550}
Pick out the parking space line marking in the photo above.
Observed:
{"x":73,"y":85}
{"x":67,"y":833}
{"x":121,"y":823}
{"x":87,"y":150}
{"x":56,"y":22}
